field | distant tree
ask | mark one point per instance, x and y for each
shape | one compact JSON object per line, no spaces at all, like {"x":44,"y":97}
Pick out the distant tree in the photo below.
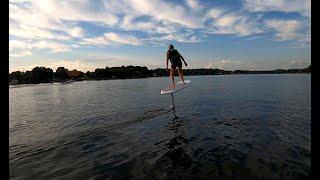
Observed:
{"x":89,"y":75}
{"x":118,"y":72}
{"x":107,"y":73}
{"x":99,"y":73}
{"x":61,"y":73}
{"x":26,"y":77}
{"x":237,"y":71}
{"x":16,"y":75}
{"x":75,"y":74}
{"x":280,"y":71}
{"x":144,"y":71}
{"x":41,"y":75}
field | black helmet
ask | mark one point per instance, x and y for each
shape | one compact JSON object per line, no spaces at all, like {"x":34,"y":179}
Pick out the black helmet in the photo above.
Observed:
{"x":171,"y":47}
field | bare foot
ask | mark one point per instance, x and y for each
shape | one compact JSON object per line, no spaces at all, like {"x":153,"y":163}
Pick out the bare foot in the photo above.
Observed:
{"x":173,"y":86}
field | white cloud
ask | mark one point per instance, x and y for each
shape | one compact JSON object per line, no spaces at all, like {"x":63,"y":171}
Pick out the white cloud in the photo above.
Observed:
{"x":30,"y":32}
{"x":194,"y":4}
{"x":186,"y":36}
{"x":59,"y":19}
{"x":19,"y":48}
{"x":231,"y":23}
{"x":104,"y":11}
{"x":160,"y":22}
{"x":31,"y":16}
{"x":53,"y":46}
{"x":226,"y":61}
{"x":20,"y":53}
{"x":39,"y":18}
{"x":150,"y":26}
{"x":288,"y":29}
{"x":163,"y":11}
{"x":95,"y":41}
{"x":111,"y":38}
{"x":26,"y":22}
{"x":76,"y":32}
{"x":15,"y":44}
{"x":227,"y":20}
{"x":247,"y":26}
{"x":225,"y":64}
{"x":300,"y":6}
{"x":122,"y":38}
{"x":76,"y":10}
{"x":214,"y":13}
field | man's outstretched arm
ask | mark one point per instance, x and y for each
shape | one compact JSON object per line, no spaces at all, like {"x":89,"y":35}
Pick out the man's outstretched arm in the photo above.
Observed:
{"x":183,"y":60}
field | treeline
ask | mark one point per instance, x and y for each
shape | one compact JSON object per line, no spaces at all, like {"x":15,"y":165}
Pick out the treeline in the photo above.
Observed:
{"x":120,"y":72}
{"x":43,"y":75}
{"x":46,"y":75}
{"x":191,"y":72}
{"x":203,"y":71}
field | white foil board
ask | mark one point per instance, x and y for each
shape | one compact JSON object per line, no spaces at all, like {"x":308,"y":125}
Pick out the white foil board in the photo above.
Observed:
{"x":179,"y":86}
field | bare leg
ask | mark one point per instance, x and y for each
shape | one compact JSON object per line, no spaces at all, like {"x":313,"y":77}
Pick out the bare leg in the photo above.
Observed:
{"x":172,"y":77}
{"x":181,"y":74}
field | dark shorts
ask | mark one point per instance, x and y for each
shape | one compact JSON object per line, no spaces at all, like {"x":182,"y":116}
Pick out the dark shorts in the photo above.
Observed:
{"x":176,"y":63}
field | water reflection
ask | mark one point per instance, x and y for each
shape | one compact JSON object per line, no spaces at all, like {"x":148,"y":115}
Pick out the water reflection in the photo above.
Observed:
{"x":177,"y":160}
{"x":217,"y":159}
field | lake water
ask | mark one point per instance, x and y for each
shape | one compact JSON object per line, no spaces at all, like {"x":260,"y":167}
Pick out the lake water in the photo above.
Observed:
{"x":236,"y":126}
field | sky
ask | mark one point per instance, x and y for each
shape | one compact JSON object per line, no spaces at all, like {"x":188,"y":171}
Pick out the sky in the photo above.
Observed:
{"x":224,"y":34}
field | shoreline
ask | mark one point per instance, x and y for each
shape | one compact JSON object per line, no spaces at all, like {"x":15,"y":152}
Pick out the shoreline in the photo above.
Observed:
{"x":88,"y":79}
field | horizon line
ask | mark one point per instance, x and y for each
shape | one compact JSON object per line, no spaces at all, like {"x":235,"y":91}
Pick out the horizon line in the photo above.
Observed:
{"x":160,"y":68}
